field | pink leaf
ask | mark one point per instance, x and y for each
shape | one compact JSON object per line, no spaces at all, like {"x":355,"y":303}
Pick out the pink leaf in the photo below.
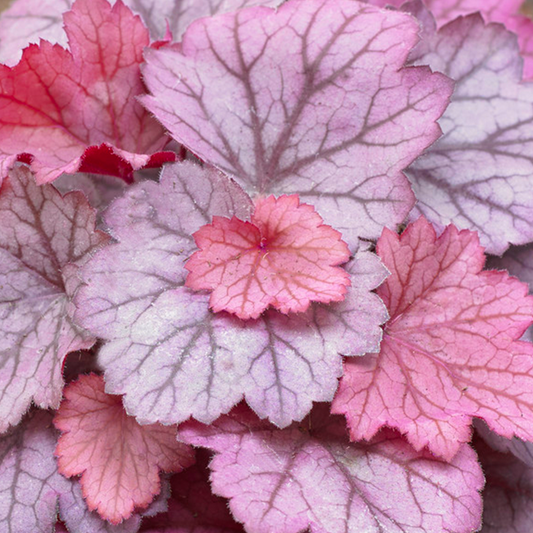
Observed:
{"x":169,"y":355}
{"x":508,"y":495}
{"x":44,"y":238}
{"x":119,"y":460}
{"x":335,"y":121}
{"x":193,"y":508}
{"x":82,"y":113}
{"x":477,"y":176}
{"x":449,"y":351}
{"x":29,"y":481}
{"x":285,"y":257}
{"x":310,"y":476}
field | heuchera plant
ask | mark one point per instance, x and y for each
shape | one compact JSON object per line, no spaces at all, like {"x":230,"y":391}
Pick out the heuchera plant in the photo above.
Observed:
{"x":288,"y":326}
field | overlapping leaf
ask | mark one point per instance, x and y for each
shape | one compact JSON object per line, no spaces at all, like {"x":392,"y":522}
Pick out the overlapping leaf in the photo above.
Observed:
{"x":43,"y":239}
{"x":118,"y":460}
{"x":285,"y":257}
{"x":478,"y":175}
{"x":335,"y":121}
{"x":29,"y":482}
{"x":169,"y":355}
{"x":449,"y":351}
{"x":81,"y":112}
{"x":508,"y":495}
{"x":518,"y":261}
{"x":508,"y":12}
{"x":284,"y":481}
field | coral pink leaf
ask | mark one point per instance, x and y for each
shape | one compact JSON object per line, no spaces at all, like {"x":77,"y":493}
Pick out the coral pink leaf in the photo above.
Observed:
{"x":119,"y":460}
{"x":285,"y":258}
{"x":508,"y":494}
{"x":477,"y":176}
{"x":311,"y":476}
{"x":449,"y":351}
{"x":80,"y":98}
{"x":193,"y":508}
{"x":29,"y":482}
{"x":188,"y":360}
{"x":44,"y":238}
{"x":335,"y":121}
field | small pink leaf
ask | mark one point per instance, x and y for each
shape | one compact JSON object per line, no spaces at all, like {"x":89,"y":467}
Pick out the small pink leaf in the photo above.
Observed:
{"x":169,"y":355}
{"x":335,"y":121}
{"x":508,"y":494}
{"x":477,"y":176}
{"x":44,"y":238}
{"x":449,"y":351}
{"x":29,"y":482}
{"x":119,"y":460}
{"x":81,"y":112}
{"x":285,"y":257}
{"x":311,"y":476}
{"x":193,"y":508}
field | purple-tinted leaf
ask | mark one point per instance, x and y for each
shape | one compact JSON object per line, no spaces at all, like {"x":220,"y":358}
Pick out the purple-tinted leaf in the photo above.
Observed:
{"x":284,"y":481}
{"x":27,"y":21}
{"x":43,"y":239}
{"x":29,"y":482}
{"x":74,"y":513}
{"x":518,"y":261}
{"x":478,"y":175}
{"x":521,"y":449}
{"x":99,"y":189}
{"x":335,"y":121}
{"x":193,"y":508}
{"x":180,"y":13}
{"x":508,"y":494}
{"x":169,"y":355}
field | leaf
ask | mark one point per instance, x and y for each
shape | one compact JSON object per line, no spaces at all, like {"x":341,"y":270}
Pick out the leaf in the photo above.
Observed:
{"x":193,"y":508}
{"x":477,"y":176}
{"x":78,"y":519}
{"x":449,"y":351}
{"x":284,"y":481}
{"x":518,"y":261}
{"x":169,"y":355}
{"x":30,"y":484}
{"x":512,"y":13}
{"x":285,"y":257}
{"x":44,"y":238}
{"x":82,"y":113}
{"x":508,"y":494}
{"x":520,"y":449}
{"x":119,"y":460}
{"x":335,"y":121}
{"x":42,"y":20}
